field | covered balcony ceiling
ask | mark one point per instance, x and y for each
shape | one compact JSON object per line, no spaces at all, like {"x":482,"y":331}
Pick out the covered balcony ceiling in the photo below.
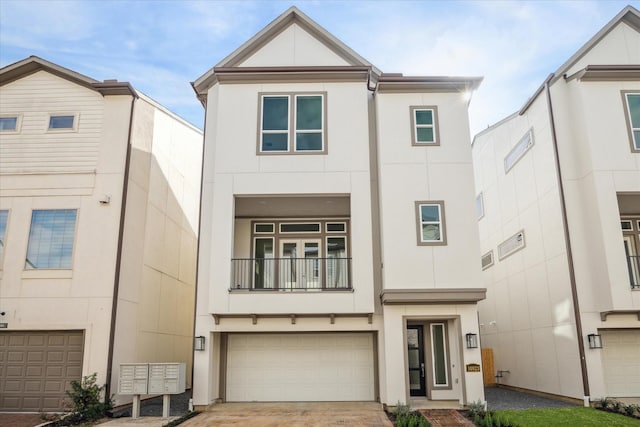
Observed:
{"x":292,"y":206}
{"x":629,"y":203}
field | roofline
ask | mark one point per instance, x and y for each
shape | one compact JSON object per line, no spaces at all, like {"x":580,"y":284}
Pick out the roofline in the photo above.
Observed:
{"x":630,"y":15}
{"x":493,"y":126}
{"x":395,"y":82}
{"x":170,"y":113}
{"x":33,"y":64}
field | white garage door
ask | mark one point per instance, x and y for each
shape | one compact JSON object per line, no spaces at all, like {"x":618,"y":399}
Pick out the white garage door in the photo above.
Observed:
{"x":621,"y":362}
{"x":300,"y":367}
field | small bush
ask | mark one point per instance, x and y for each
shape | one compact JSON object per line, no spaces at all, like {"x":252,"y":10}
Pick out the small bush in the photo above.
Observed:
{"x":476,"y":409}
{"x":413,"y":419}
{"x":616,"y":407}
{"x":629,"y":410}
{"x":603,"y":403}
{"x":401,"y":410}
{"x":86,"y":401}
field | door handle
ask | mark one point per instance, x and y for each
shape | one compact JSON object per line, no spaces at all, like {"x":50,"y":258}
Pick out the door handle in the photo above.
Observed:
{"x":422,"y":369}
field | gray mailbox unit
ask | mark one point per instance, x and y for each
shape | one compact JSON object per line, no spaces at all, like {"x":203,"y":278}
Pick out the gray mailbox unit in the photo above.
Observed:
{"x":134,"y":378}
{"x":166,"y":378}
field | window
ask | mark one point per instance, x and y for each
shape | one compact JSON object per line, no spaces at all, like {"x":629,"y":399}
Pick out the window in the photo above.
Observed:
{"x":511,"y":245}
{"x":431,"y":230}
{"x":263,"y":228}
{"x":9,"y":123}
{"x":3,"y":230}
{"x":300,"y":227}
{"x":632,"y":107}
{"x":487,"y":260}
{"x":439,"y":355}
{"x":626,"y":225}
{"x":62,"y":122}
{"x":51,"y":239}
{"x":518,"y":151}
{"x":424,"y":126}
{"x":292,"y":123}
{"x":480,"y":206}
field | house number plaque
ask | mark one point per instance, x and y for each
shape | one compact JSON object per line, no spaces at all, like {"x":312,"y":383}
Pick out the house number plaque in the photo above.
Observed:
{"x":473,"y":367}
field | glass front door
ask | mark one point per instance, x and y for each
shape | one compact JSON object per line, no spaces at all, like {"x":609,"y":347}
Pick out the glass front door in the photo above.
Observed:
{"x":300,"y":264}
{"x":415,"y":353}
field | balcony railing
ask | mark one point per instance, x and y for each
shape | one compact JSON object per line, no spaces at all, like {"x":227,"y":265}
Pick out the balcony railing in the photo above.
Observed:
{"x":633,"y":264}
{"x":288,"y":274}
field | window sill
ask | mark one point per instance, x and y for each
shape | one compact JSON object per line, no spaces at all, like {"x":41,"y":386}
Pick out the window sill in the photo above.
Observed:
{"x":47,"y":274}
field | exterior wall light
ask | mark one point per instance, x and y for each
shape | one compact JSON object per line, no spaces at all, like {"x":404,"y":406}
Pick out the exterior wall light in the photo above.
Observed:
{"x":472,"y":340}
{"x":594,"y":341}
{"x":198,"y":343}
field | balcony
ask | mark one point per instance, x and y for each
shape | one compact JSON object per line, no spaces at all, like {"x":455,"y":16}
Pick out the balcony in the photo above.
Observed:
{"x":633,"y":265}
{"x":291,"y":274}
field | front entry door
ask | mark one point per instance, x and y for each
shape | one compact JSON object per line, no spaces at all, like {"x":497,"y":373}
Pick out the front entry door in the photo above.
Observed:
{"x":415,"y":352}
{"x":300,"y":264}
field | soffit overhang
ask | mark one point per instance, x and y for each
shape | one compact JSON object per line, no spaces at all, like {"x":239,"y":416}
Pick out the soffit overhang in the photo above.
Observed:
{"x":33,"y":64}
{"x":432,"y":296}
{"x":607,"y":73}
{"x":400,"y":83}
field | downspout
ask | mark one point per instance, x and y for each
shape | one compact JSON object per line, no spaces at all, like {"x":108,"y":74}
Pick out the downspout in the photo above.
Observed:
{"x":567,"y":239}
{"x":116,"y":281}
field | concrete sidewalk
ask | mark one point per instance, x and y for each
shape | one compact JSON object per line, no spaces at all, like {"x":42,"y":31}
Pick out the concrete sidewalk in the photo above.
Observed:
{"x":138,"y":422}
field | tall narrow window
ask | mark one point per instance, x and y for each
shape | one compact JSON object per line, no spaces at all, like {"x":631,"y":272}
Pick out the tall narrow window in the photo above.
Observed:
{"x":439,"y":355}
{"x":424,"y":126}
{"x":51,"y":239}
{"x":431,"y":230}
{"x":480,"y":205}
{"x":291,"y":123}
{"x":632,"y":106}
{"x":3,"y":231}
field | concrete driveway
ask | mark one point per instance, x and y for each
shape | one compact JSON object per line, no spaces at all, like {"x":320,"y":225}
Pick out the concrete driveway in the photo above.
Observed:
{"x":292,"y":414}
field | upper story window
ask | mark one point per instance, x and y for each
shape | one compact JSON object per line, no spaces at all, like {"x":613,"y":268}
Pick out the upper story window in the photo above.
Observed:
{"x":632,"y":109}
{"x":431,"y":230}
{"x":62,"y":122}
{"x":9,"y":123}
{"x":51,"y":239}
{"x":424,"y":126}
{"x":519,"y":150}
{"x":4,"y":215}
{"x":480,"y":206}
{"x":292,"y":123}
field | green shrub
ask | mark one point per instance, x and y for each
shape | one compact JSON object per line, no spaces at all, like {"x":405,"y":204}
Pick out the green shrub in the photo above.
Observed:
{"x":86,"y":403}
{"x":629,"y":410}
{"x":603,"y":403}
{"x":401,"y":410}
{"x":476,"y":409}
{"x":412,"y":420}
{"x":616,"y":406}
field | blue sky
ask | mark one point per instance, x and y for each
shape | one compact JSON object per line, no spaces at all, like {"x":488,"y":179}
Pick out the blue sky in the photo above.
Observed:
{"x":160,"y":46}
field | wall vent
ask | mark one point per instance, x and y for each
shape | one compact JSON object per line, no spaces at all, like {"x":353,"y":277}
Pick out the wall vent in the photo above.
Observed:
{"x":511,"y":245}
{"x":518,"y":151}
{"x":487,"y":260}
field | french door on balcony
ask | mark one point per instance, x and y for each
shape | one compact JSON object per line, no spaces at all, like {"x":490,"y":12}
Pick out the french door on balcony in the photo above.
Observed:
{"x":633,"y":260}
{"x":299,"y":266}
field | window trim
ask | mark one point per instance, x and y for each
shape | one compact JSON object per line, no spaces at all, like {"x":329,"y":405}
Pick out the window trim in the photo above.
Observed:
{"x":291,"y":131}
{"x":443,"y":232}
{"x":447,"y":360}
{"x":18,"y":127}
{"x":74,"y":128}
{"x":627,"y":116}
{"x":480,"y":198}
{"x":528,"y":133}
{"x":75,"y":239}
{"x":414,"y":125}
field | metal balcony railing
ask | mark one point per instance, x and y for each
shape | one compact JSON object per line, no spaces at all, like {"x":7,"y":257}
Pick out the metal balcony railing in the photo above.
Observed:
{"x":286,"y":274}
{"x":633,"y":265}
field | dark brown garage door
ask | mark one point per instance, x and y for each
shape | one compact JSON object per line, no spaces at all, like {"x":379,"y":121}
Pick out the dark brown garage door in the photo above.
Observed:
{"x":36,"y":367}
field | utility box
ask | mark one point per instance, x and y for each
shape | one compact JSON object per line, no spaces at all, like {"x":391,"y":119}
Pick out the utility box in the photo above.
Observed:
{"x":167,"y":378}
{"x":134,"y":378}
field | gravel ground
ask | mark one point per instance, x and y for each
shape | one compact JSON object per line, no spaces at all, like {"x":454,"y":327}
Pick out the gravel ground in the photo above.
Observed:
{"x":502,"y":398}
{"x":153,"y":407}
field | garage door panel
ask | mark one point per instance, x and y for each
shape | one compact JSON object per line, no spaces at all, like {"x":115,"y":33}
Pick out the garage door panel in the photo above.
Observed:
{"x":621,"y":362}
{"x":300,"y":367}
{"x":38,"y":368}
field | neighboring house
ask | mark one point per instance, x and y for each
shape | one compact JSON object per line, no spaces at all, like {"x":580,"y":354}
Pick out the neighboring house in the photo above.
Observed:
{"x":558,"y":194}
{"x":338,"y":253}
{"x":99,"y":215}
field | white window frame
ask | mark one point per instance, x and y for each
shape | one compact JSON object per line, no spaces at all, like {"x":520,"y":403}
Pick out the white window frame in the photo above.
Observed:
{"x":292,"y":131}
{"x":74,"y":128}
{"x":415,"y":126}
{"x":255,"y":228}
{"x":420,"y":223}
{"x":519,"y":150}
{"x":299,"y":232}
{"x":18,"y":118}
{"x":627,"y":221}
{"x":635,"y":145}
{"x":344,"y":230}
{"x":480,"y":205}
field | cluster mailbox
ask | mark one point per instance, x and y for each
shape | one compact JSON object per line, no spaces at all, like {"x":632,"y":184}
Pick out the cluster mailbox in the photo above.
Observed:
{"x":152,"y":378}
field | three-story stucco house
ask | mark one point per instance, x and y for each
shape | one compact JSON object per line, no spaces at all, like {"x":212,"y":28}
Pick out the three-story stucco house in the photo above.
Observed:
{"x":99,"y":214}
{"x":338,"y":252}
{"x":558,"y":192}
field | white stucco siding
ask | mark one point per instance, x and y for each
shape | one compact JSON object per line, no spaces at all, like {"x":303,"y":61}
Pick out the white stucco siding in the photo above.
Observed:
{"x":426,"y":173}
{"x":35,"y":148}
{"x":294,"y":47}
